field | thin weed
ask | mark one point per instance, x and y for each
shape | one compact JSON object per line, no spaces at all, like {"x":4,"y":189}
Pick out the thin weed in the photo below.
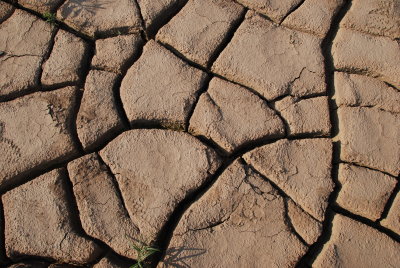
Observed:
{"x":50,"y":17}
{"x":144,"y":251}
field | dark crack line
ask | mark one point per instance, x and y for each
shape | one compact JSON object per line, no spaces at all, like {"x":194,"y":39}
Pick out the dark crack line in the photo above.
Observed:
{"x":166,"y":232}
{"x":39,"y":87}
{"x":290,"y":225}
{"x":37,"y":82}
{"x":32,"y":260}
{"x":78,"y":102}
{"x":117,"y":86}
{"x":366,"y":167}
{"x":227,"y":218}
{"x":326,"y":47}
{"x":211,"y":144}
{"x":389,"y":203}
{"x":3,"y":257}
{"x":259,"y":14}
{"x":210,"y":226}
{"x":58,"y":6}
{"x":117,"y":102}
{"x":182,"y":57}
{"x":117,"y":188}
{"x":392,"y":86}
{"x":4,"y":18}
{"x":227,"y":39}
{"x":165,"y":18}
{"x":62,"y":240}
{"x":10,"y":56}
{"x":375,"y":107}
{"x":302,"y":136}
{"x":213,"y":58}
{"x":368,"y":222}
{"x":74,"y":216}
{"x":47,"y":56}
{"x":286,"y":124}
{"x":203,"y":89}
{"x":143,"y":24}
{"x":82,"y":70}
{"x":38,"y":171}
{"x":366,"y":73}
{"x":286,"y":198}
{"x":31,"y":91}
{"x":269,"y":103}
{"x":249,"y":146}
{"x":118,"y":260}
{"x":293,"y":9}
{"x":117,"y":89}
{"x":57,"y":23}
{"x":353,"y":71}
{"x":276,"y":187}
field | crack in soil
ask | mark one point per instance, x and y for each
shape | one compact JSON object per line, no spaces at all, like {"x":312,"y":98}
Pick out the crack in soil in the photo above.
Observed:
{"x":167,"y":230}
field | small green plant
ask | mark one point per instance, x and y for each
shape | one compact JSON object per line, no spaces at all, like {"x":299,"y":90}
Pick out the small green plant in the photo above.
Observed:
{"x":50,"y":17}
{"x":144,"y":251}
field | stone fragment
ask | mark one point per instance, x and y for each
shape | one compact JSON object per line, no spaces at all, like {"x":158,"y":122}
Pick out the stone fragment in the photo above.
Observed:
{"x":5,"y":11}
{"x":156,"y":169}
{"x":160,"y":88}
{"x":232,"y":116}
{"x":101,"y":210}
{"x":25,"y":39}
{"x":353,"y":244}
{"x":392,"y":220}
{"x":98,"y":120}
{"x":360,"y":90}
{"x":370,"y":137}
{"x":113,"y":54}
{"x":35,"y":132}
{"x":364,"y":192}
{"x":301,"y":168}
{"x":375,"y":17}
{"x":273,"y":60}
{"x":66,"y":61}
{"x":156,"y":13}
{"x":274,"y":9}
{"x":41,"y":6}
{"x":238,"y":222}
{"x":305,"y":225}
{"x":375,"y":56}
{"x":199,"y":29}
{"x":38,"y":222}
{"x":98,"y":18}
{"x":314,"y":16}
{"x":308,"y":116}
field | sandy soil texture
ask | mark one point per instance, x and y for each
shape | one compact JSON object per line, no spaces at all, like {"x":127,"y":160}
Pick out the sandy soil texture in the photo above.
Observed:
{"x":223,"y":133}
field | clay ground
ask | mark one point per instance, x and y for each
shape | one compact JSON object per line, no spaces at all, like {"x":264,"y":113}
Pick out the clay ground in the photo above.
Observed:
{"x":225,"y":133}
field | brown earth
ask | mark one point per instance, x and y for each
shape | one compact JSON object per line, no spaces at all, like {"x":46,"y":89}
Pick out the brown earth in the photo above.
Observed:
{"x":224,"y":133}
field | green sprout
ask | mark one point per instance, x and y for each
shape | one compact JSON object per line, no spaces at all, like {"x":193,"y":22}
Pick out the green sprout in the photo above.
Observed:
{"x":144,"y":251}
{"x":50,"y":17}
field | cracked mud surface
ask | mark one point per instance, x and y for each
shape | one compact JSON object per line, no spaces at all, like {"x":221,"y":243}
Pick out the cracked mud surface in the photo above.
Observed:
{"x":226,"y":133}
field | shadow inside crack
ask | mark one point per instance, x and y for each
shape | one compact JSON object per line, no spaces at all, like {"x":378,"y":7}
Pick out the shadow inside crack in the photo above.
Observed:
{"x":176,"y":256}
